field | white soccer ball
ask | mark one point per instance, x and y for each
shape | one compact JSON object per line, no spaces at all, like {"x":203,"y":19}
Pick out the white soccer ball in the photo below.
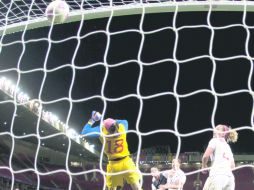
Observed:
{"x":57,"y":11}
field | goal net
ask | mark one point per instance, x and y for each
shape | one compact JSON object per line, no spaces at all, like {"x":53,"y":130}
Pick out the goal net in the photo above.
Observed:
{"x":173,"y":69}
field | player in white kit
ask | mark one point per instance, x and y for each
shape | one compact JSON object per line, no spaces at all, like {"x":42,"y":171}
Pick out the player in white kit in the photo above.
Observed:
{"x":219,"y":151}
{"x":158,"y":178}
{"x":176,"y":178}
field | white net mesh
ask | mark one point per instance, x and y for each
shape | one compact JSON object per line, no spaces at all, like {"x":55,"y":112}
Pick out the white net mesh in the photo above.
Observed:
{"x":173,"y":75}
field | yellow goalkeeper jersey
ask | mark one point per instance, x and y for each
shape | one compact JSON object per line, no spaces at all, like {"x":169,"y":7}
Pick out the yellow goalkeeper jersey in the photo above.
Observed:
{"x":116,"y":146}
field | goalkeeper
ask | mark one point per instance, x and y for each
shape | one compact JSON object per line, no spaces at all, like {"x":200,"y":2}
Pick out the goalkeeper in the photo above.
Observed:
{"x":116,"y":149}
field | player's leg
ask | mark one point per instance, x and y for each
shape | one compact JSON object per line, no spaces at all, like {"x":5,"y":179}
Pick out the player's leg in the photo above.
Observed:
{"x":220,"y":182}
{"x":210,"y":184}
{"x":207,"y":184}
{"x":132,"y":178}
{"x":231,"y":184}
{"x":224,"y":182}
{"x":109,"y":182}
{"x":113,"y":182}
{"x":136,"y":186}
{"x":112,"y":188}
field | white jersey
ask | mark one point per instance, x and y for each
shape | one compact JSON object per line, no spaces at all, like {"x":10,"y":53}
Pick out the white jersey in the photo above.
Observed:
{"x":221,"y":158}
{"x":175,"y":177}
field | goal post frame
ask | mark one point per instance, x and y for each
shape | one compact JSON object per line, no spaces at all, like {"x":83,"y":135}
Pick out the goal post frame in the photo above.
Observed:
{"x":133,"y":9}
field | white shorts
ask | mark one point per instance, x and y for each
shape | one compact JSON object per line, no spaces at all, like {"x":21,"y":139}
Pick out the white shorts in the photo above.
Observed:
{"x":220,"y":182}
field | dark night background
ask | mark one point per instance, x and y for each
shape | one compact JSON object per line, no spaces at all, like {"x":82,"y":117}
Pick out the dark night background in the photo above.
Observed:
{"x":158,"y":112}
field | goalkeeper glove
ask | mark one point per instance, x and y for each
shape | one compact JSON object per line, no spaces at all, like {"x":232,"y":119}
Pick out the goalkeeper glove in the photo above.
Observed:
{"x":96,"y":116}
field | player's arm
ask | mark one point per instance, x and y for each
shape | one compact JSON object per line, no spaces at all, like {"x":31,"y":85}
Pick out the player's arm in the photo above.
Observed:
{"x":165,"y":173}
{"x":179,"y":185}
{"x":208,"y":152}
{"x":153,"y":188}
{"x":205,"y":158}
{"x":87,"y":129}
{"x":163,"y":185}
{"x":152,"y":185}
{"x":232,"y":164}
{"x":124,"y":123}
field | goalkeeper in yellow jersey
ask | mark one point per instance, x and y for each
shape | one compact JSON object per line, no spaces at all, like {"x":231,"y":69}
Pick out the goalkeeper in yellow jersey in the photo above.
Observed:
{"x":116,"y":149}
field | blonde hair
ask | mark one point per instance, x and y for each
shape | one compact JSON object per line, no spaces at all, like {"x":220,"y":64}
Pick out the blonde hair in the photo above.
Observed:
{"x":232,"y":136}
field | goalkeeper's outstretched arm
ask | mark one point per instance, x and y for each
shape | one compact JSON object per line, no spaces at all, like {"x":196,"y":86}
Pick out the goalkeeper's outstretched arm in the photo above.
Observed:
{"x":87,"y":129}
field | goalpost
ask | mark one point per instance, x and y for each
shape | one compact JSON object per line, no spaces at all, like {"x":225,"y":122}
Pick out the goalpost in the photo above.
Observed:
{"x":19,"y":17}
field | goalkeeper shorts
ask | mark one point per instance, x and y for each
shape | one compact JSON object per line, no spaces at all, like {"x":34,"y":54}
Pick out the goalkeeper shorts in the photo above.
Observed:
{"x":130,"y":177}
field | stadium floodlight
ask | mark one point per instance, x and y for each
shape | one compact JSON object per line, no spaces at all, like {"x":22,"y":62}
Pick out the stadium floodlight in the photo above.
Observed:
{"x":71,"y":133}
{"x":25,"y":98}
{"x":65,"y":126}
{"x":53,"y":119}
{"x":91,"y":148}
{"x":45,"y":115}
{"x":14,"y":89}
{"x":62,"y":126}
{"x":22,"y":97}
{"x":34,"y":105}
{"x":7,"y":85}
{"x":2,"y":79}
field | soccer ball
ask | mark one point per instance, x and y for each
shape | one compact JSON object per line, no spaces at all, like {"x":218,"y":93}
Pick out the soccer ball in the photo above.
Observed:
{"x":57,"y":11}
